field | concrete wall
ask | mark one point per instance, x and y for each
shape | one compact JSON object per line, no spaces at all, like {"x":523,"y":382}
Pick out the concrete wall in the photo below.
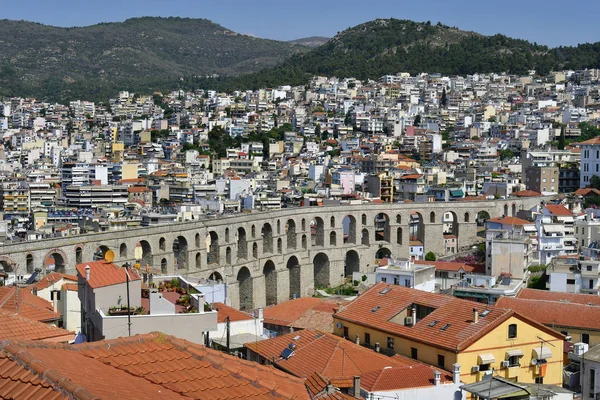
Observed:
{"x":224,"y":255}
{"x":449,"y":391}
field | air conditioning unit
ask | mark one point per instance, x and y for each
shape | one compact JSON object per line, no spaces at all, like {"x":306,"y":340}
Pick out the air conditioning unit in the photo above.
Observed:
{"x":338,"y":325}
{"x":505,"y":364}
{"x":475,"y":369}
{"x":408,"y":321}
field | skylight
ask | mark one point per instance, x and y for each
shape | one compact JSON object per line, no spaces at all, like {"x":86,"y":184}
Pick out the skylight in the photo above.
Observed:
{"x":445,"y":327}
{"x":484,"y":313}
{"x":432,"y":324}
{"x":384,"y":291}
{"x":287,"y":353}
{"x":375,"y":309}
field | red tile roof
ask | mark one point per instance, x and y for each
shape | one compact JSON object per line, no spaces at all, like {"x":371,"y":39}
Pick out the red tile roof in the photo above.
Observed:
{"x":320,"y":387}
{"x":22,"y":302}
{"x":510,"y":221}
{"x":527,"y":193}
{"x":224,"y":311}
{"x":405,"y":377}
{"x":16,"y":382}
{"x":16,"y":327}
{"x":534,"y":294}
{"x":447,"y":265}
{"x":558,"y":210}
{"x":595,"y":140}
{"x":52,"y":278}
{"x":151,"y":366}
{"x":103,"y":274}
{"x":460,"y":333}
{"x":555,"y":312}
{"x":317,"y":351}
{"x":303,"y":313}
{"x":587,"y":192}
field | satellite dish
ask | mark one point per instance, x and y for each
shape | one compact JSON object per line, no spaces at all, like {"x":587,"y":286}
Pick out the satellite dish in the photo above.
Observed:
{"x":534,"y":361}
{"x":109,"y":256}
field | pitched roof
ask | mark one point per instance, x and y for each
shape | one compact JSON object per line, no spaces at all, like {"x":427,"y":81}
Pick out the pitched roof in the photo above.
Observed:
{"x":317,"y":351}
{"x":555,"y":312}
{"x":578,"y":298}
{"x":587,"y":192}
{"x":224,"y":311}
{"x":16,"y":382}
{"x":320,"y":387}
{"x":52,"y":278}
{"x":527,"y":193}
{"x":151,"y":366}
{"x":24,"y":303}
{"x":558,"y":210}
{"x":454,"y":314}
{"x":595,"y":140}
{"x":510,"y":221}
{"x":404,"y":377}
{"x":447,"y":265}
{"x":303,"y":313}
{"x":103,"y":274}
{"x":16,"y":327}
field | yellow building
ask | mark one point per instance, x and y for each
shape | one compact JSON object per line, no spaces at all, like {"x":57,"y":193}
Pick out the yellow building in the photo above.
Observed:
{"x":444,"y":331}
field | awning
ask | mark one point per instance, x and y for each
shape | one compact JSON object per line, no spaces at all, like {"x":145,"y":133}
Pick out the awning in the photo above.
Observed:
{"x":514,"y":353}
{"x":529,"y":228}
{"x":542,"y":353}
{"x":486,"y":358}
{"x":469,"y":294}
{"x":553,"y":228}
{"x":457,"y":193}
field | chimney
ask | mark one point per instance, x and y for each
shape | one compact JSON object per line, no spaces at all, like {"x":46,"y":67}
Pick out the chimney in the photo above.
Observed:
{"x":357,"y":339}
{"x":356,"y":386}
{"x":475,"y":315}
{"x":437,"y":378}
{"x":414,"y":315}
{"x":456,"y":373}
{"x":87,"y":272}
{"x":377,"y":347}
{"x":55,"y":301}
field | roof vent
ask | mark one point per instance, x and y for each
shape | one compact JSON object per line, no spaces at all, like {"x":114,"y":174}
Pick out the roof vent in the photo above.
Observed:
{"x":484,"y":313}
{"x":375,"y":309}
{"x":296,"y":337}
{"x":384,"y":291}
{"x":432,"y":324}
{"x":445,"y":327}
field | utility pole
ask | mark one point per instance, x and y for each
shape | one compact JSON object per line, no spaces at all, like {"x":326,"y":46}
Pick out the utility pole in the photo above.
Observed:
{"x":126,"y":266}
{"x":227,"y":334}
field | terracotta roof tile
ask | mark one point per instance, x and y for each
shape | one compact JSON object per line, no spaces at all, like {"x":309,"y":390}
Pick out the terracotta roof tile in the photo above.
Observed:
{"x":303,"y":313}
{"x":510,"y":221}
{"x":405,"y":377}
{"x":527,"y":193}
{"x":319,"y":387}
{"x":16,"y":382}
{"x":224,"y":311}
{"x":103,"y":273}
{"x":558,"y":210}
{"x":534,"y":294}
{"x":555,"y":312}
{"x":16,"y":327}
{"x":52,"y":278}
{"x":26,"y":304}
{"x":316,"y":351}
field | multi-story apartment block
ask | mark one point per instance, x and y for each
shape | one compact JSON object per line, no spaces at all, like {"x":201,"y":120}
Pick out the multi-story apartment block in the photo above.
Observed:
{"x":590,"y":161}
{"x":556,"y":233}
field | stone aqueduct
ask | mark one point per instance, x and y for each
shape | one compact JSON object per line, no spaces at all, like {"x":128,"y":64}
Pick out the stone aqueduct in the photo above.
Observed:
{"x":265,"y":258}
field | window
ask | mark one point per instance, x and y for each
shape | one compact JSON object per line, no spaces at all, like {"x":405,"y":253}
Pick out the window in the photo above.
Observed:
{"x":539,"y":380}
{"x":589,"y":267}
{"x":514,"y":361}
{"x":396,"y":280}
{"x":367,"y":338}
{"x":345,"y":331}
{"x":512,"y":331}
{"x":585,"y":338}
{"x":592,"y":381}
{"x":441,"y":361}
{"x":407,"y":283}
{"x":384,"y":280}
{"x":414,"y":353}
{"x":390,"y":342}
{"x":484,"y":367}
{"x":570,"y":281}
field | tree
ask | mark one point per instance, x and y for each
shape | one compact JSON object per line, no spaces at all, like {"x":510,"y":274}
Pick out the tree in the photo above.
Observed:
{"x":417,"y":120}
{"x":318,"y":130}
{"x":430,"y":256}
{"x":444,"y":99}
{"x":594,"y":182}
{"x":506,"y":154}
{"x":561,"y":139}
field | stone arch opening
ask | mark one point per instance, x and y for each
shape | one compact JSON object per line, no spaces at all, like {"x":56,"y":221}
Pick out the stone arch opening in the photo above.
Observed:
{"x":514,"y":210}
{"x":162,"y":244}
{"x":332,"y":222}
{"x":212,"y":256}
{"x":29,"y":263}
{"x":245,"y":288}
{"x":432,"y":217}
{"x":450,"y":223}
{"x":416,"y":229}
{"x":180,"y":252}
{"x":254,"y":250}
{"x":253,"y":232}
{"x":270,"y":282}
{"x":351,"y":263}
{"x":279,"y":246}
{"x":8,"y":265}
{"x":242,"y":244}
{"x":228,"y":255}
{"x":365,"y":237}
{"x":382,"y":253}
{"x":467,"y":217}
{"x":399,"y":236}
{"x":226,"y":235}
{"x":56,"y":261}
{"x":321,"y":270}
{"x":123,"y":250}
{"x":163,"y":266}
{"x":100,"y":252}
{"x":293,"y":267}
{"x":303,"y":224}
{"x":349,"y":228}
{"x":267,"y":238}
{"x":505,"y":211}
{"x":482,"y":217}
{"x":304,"y":242}
{"x":317,"y":232}
{"x":78,"y":255}
{"x":364,"y":219}
{"x":398,"y":218}
{"x":290,"y":231}
{"x":215,"y":276}
{"x":382,"y":227}
{"x":146,"y":252}
{"x":278,"y":227}
{"x":198,"y":260}
{"x":332,"y":238}
{"x":197,"y":240}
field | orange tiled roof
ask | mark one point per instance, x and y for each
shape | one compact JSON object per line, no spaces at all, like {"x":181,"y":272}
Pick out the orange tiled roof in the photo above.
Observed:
{"x":16,"y":327}
{"x":71,"y":287}
{"x":587,"y":192}
{"x":24,"y":303}
{"x":137,"y":189}
{"x":404,"y":377}
{"x":595,"y":140}
{"x":224,"y":311}
{"x":303,"y":313}
{"x":18,"y":382}
{"x":578,"y":298}
{"x":527,"y":193}
{"x":320,"y":387}
{"x":103,"y":274}
{"x":558,"y":210}
{"x":510,"y":221}
{"x":52,"y":278}
{"x":317,"y":351}
{"x":555,"y":312}
{"x":151,"y":366}
{"x":460,"y":333}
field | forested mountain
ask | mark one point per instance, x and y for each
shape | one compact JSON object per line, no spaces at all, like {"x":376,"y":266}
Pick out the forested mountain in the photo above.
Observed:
{"x":147,"y":54}
{"x":137,"y":54}
{"x":313,"y":41}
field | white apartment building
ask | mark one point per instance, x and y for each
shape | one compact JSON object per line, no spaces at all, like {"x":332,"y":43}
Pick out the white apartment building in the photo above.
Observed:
{"x":590,"y":161}
{"x":404,"y":272}
{"x":555,"y":233}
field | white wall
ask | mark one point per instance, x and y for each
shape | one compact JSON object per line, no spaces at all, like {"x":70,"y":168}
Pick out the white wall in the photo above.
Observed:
{"x":253,"y":326}
{"x":450,"y":391}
